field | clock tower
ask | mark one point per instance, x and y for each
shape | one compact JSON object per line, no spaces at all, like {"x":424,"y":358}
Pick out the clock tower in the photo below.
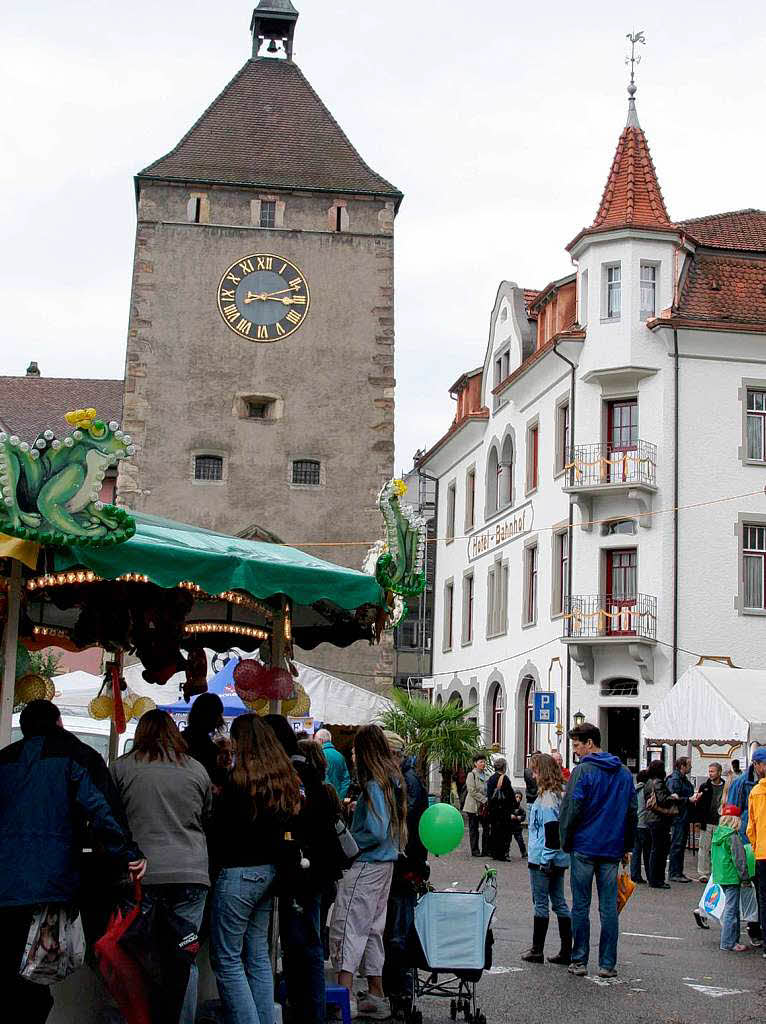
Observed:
{"x":259,"y":383}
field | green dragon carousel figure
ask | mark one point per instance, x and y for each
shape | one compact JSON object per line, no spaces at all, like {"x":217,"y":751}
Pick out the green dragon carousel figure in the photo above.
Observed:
{"x":397,"y":561}
{"x":51,"y":489}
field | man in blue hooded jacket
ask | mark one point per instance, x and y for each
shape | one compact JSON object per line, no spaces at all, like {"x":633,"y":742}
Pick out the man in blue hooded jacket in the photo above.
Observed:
{"x":597,"y":825}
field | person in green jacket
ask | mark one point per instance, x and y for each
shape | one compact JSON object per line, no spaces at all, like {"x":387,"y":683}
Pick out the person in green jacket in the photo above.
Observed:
{"x":730,"y":872}
{"x":337,"y":769}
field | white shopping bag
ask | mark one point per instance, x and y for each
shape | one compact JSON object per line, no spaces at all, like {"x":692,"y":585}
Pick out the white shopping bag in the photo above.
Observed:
{"x":713,"y":900}
{"x":55,"y":945}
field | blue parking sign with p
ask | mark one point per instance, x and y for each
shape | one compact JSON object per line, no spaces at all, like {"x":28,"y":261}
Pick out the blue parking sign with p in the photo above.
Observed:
{"x":545,"y":707}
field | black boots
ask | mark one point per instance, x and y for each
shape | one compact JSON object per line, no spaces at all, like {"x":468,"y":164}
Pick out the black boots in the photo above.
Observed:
{"x":539,"y":931}
{"x":564,"y":955}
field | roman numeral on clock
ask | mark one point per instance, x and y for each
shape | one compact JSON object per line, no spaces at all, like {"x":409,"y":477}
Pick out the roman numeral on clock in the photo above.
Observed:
{"x":227,"y":293}
{"x":231,"y":313}
{"x":293,"y":317}
{"x":244,"y":326}
{"x":262,"y":332}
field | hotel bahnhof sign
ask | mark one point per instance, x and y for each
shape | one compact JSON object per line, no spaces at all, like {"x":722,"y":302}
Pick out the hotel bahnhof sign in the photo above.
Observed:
{"x":509,"y":527}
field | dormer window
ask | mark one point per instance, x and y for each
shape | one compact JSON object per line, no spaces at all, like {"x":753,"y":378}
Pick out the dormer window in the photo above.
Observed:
{"x":648,"y":290}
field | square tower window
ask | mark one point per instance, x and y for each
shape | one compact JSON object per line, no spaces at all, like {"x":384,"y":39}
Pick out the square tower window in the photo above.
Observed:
{"x":268,"y":213}
{"x":208,"y":467}
{"x":306,"y":471}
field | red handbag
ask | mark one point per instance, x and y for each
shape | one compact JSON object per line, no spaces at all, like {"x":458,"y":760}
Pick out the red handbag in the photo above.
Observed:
{"x":122,"y":975}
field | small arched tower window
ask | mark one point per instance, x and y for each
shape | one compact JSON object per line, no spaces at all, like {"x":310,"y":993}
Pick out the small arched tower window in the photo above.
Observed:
{"x":505,"y":474}
{"x":498,"y":715}
{"x":493,"y":469}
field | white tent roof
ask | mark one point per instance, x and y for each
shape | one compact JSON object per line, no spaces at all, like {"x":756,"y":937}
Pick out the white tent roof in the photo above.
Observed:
{"x":332,"y":700}
{"x":712,"y":704}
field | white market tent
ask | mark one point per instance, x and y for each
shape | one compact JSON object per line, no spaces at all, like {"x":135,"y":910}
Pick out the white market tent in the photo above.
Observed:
{"x":332,"y":700}
{"x":712,"y":704}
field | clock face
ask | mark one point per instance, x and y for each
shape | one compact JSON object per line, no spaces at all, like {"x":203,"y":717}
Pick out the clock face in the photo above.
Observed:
{"x":263,"y":297}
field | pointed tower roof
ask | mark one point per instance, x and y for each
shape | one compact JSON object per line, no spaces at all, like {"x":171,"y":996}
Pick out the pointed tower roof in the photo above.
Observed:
{"x":632,"y":197}
{"x":269,"y":128}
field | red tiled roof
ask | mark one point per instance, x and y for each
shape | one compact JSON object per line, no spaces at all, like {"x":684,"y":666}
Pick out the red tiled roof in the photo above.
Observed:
{"x":29,"y":405}
{"x":530,"y":294}
{"x":268,"y":127}
{"x":632,"y":196}
{"x":727,"y":289}
{"x":738,"y":229}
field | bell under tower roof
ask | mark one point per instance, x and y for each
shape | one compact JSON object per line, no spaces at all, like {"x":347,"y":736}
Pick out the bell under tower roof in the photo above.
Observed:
{"x":269,"y":128}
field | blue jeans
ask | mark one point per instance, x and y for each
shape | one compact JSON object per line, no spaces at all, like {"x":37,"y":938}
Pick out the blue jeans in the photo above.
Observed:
{"x":188,"y":901}
{"x":239,"y":943}
{"x":605,"y":871}
{"x":730,"y":917}
{"x":545,"y":888}
{"x":303,"y":957}
{"x":679,"y":839}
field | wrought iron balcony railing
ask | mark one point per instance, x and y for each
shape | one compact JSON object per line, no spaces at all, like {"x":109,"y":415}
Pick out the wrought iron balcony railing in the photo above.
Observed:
{"x":605,"y":464}
{"x":590,"y":616}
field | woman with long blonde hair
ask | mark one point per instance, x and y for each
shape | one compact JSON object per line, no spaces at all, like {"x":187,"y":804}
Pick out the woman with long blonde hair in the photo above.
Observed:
{"x":259,"y":802}
{"x":379,"y":827}
{"x":547,"y":862}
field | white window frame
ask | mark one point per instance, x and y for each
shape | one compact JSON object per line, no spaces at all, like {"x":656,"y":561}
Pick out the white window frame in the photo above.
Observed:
{"x":450,"y":511}
{"x":531,"y":594}
{"x":449,"y":615}
{"x":532,"y":457}
{"x":583,"y":298}
{"x":468,"y":604}
{"x":563,"y":444}
{"x":497,"y":598}
{"x":753,"y":417}
{"x":751,"y":540}
{"x":470,"y":498}
{"x":559,"y":571}
{"x":646,"y":312}
{"x":610,"y":288}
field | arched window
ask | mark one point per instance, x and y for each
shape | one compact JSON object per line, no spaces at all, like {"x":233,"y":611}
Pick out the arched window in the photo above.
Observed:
{"x":439,"y":700}
{"x":498,"y":716}
{"x":529,"y":720}
{"x":493,"y":471}
{"x":456,"y":699}
{"x":505,"y":474}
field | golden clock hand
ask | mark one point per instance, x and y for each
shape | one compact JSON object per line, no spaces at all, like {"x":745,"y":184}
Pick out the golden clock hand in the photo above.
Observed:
{"x":270,"y":295}
{"x":252,"y":296}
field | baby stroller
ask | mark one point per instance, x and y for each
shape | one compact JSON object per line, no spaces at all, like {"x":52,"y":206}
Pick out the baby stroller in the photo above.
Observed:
{"x":450,"y":946}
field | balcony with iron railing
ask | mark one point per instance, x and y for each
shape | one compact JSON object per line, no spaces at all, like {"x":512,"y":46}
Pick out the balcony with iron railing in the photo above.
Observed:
{"x":594,"y":621}
{"x":597,"y":470}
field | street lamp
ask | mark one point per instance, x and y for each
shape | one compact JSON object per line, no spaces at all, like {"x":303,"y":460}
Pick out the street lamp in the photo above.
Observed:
{"x":578,"y":718}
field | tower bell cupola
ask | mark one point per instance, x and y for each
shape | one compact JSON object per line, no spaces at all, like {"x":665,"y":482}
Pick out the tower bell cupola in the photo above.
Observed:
{"x":274,"y":21}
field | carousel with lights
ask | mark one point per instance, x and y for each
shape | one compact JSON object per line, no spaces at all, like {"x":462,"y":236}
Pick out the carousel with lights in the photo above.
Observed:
{"x":77,"y":573}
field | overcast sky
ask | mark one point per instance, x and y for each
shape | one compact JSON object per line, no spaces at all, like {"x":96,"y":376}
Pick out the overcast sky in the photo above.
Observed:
{"x":498,"y":120}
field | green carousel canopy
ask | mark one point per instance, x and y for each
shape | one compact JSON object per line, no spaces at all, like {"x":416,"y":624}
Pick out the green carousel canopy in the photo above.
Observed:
{"x":169,"y":553}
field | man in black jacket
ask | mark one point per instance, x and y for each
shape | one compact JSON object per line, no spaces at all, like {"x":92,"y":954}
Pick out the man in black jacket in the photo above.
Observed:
{"x":678,"y":784}
{"x":708,"y":810}
{"x":46,"y":793}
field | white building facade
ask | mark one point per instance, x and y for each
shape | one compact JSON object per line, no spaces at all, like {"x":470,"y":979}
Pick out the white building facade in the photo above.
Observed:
{"x":601,"y":512}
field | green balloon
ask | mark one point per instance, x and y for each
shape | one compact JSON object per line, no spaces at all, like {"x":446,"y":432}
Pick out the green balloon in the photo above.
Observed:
{"x":441,"y":829}
{"x":750,"y":855}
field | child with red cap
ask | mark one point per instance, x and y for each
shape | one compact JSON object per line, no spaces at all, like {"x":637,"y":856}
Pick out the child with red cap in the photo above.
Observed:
{"x":730,"y":872}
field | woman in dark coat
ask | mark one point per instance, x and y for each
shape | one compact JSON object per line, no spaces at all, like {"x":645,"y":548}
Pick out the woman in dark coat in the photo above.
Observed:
{"x":659,"y":819}
{"x":505,"y":813}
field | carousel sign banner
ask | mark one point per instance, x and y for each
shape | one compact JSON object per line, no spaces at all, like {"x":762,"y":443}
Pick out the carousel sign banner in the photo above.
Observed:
{"x":510,"y":527}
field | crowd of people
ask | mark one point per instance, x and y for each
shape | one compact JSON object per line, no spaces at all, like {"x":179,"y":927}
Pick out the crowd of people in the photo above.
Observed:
{"x":213,"y":831}
{"x":213,"y":828}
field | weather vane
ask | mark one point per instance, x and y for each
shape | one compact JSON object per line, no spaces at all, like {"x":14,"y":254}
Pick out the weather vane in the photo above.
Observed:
{"x":634,"y":37}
